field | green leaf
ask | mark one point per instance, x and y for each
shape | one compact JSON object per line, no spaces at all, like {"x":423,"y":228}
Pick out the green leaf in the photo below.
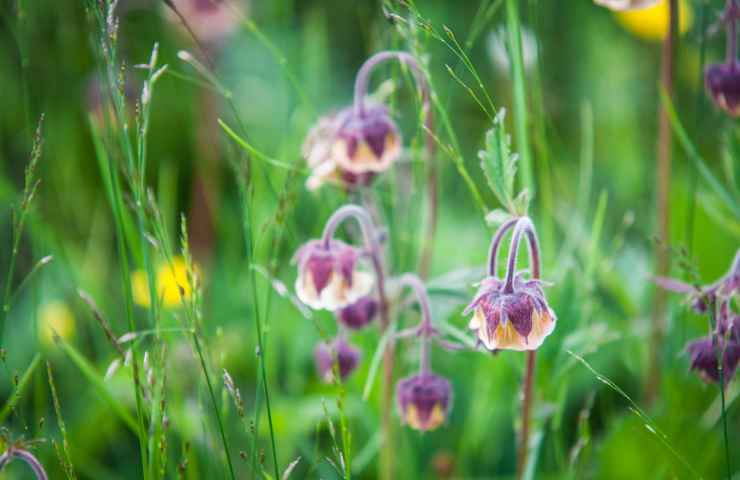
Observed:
{"x":499,"y":163}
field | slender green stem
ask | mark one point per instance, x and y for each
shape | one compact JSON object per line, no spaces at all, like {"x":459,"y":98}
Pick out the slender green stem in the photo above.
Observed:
{"x":16,"y":395}
{"x":520,"y":100}
{"x":719,"y":353}
{"x":215,"y":405}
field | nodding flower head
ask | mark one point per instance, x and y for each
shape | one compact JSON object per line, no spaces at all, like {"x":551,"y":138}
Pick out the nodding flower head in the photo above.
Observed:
{"x":424,"y":400}
{"x":723,"y":80}
{"x":723,"y":84}
{"x":512,"y":314}
{"x":349,"y":148}
{"x":359,"y":314}
{"x":705,"y":353}
{"x":367,"y":140}
{"x":621,"y":5}
{"x":329,"y":276}
{"x":516,"y":320}
{"x":346,"y":356}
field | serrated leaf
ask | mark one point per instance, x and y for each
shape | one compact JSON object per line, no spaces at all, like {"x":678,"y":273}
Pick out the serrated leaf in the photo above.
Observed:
{"x":498,"y":162}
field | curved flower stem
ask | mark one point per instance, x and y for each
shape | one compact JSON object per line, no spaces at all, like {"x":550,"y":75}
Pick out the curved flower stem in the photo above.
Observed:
{"x":496,"y":243}
{"x":372,"y":245}
{"x":521,"y":226}
{"x":22,"y":454}
{"x":425,"y":327}
{"x":361,"y":85}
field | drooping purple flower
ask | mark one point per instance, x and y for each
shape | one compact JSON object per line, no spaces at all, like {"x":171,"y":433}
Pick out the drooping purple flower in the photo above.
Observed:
{"x":347,"y":357}
{"x":349,"y":148}
{"x":359,"y":314}
{"x":424,"y":400}
{"x":705,"y":355}
{"x":723,"y":83}
{"x":328,"y":275}
{"x":516,"y":320}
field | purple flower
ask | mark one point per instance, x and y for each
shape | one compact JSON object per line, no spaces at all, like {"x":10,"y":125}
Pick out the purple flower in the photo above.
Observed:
{"x":516,"y":320}
{"x":723,"y":83}
{"x":701,"y":297}
{"x":349,"y":148}
{"x":424,"y":400}
{"x":328,"y":276}
{"x":359,"y":314}
{"x":705,"y":355}
{"x":347,"y":356}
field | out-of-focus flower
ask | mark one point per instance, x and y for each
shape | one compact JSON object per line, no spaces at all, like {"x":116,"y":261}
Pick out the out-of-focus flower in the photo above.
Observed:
{"x":424,"y":400}
{"x":705,"y":354}
{"x":622,"y":5}
{"x":55,"y":318}
{"x":173,"y":284}
{"x":347,"y":357}
{"x":497,"y":50}
{"x":651,"y":23}
{"x":359,"y":314}
{"x":211,"y":21}
{"x":723,"y":79}
{"x":700,"y":297}
{"x":516,"y":320}
{"x":328,"y":275}
{"x":350,"y":147}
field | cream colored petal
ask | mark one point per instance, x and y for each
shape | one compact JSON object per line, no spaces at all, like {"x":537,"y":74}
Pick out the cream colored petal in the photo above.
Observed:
{"x":477,"y":320}
{"x":306,"y":291}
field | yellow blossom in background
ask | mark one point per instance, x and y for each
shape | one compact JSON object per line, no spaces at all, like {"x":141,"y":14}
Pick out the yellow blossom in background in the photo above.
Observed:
{"x":171,"y":279}
{"x":651,"y":23}
{"x":55,"y":317}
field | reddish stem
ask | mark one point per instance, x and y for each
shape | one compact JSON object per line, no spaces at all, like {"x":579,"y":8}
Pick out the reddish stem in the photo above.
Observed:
{"x":663,"y":179}
{"x":527,"y":390}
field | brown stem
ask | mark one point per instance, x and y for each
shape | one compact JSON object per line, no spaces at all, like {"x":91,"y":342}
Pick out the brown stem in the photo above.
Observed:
{"x":663,"y":186}
{"x":527,"y":390}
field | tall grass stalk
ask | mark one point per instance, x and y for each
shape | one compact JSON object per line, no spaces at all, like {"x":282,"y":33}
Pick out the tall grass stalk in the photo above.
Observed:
{"x":521,"y":126}
{"x":663,"y":208}
{"x":19,"y":215}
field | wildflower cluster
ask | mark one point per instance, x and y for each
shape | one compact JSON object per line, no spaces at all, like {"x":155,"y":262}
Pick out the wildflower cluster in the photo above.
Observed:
{"x":714,"y":357}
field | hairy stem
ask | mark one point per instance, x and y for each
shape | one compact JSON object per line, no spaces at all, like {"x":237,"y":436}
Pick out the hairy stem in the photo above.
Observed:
{"x":422,"y":82}
{"x":425,"y":327}
{"x":527,"y":393}
{"x":370,"y":237}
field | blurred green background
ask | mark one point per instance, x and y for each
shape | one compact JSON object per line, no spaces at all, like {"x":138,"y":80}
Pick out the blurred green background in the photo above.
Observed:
{"x":593,"y":94}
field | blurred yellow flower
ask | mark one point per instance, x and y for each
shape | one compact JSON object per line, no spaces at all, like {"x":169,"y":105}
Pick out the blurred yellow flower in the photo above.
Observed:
{"x":651,"y":23}
{"x":55,"y":318}
{"x":171,"y":279}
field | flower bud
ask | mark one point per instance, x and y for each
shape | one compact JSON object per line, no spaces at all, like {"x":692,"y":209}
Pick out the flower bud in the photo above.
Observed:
{"x":424,"y":400}
{"x":516,"y":320}
{"x":723,"y":83}
{"x":359,"y":314}
{"x":347,"y":357}
{"x":328,"y":275}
